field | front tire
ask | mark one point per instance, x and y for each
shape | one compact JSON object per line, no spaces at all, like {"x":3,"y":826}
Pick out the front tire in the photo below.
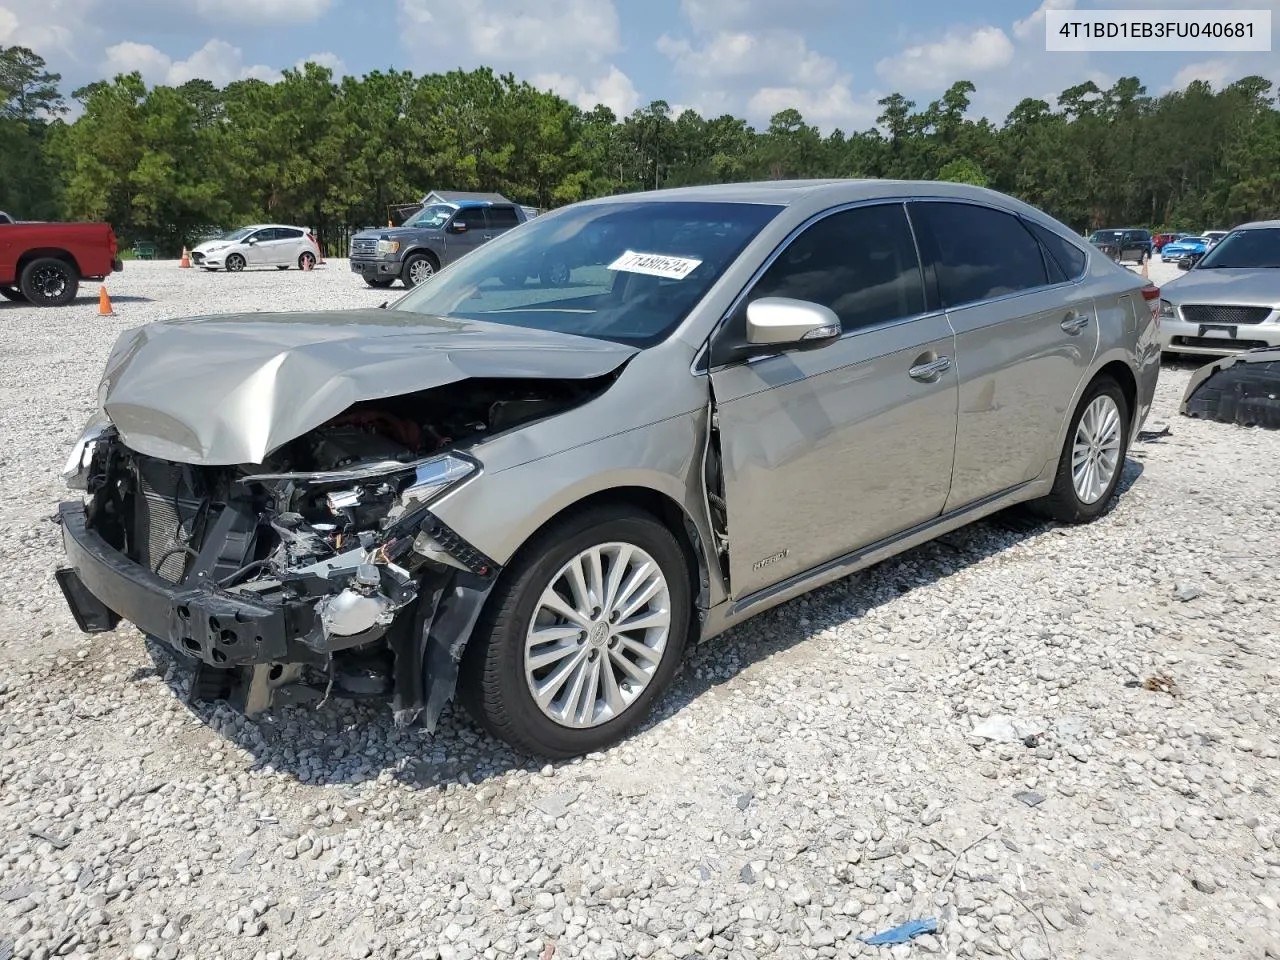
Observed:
{"x":418,"y":268}
{"x":282,"y":266}
{"x":380,"y":283}
{"x":49,"y":282}
{"x":234,"y":263}
{"x":1092,"y":456}
{"x":583,"y":633}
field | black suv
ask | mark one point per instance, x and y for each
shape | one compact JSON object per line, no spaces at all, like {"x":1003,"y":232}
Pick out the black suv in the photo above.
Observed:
{"x":1124,"y":243}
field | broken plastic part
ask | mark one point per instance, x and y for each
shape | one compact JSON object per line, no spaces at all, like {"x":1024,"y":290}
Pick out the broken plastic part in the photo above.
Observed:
{"x":1242,"y":389}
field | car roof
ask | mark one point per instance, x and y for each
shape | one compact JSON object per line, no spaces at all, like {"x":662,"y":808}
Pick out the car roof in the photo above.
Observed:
{"x":813,"y":192}
{"x":1260,"y":225}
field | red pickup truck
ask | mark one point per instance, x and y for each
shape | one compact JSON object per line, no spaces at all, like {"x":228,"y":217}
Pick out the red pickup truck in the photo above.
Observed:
{"x":43,"y":263}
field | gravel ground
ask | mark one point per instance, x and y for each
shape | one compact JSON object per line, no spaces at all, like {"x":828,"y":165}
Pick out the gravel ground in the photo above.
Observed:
{"x":1055,"y":742}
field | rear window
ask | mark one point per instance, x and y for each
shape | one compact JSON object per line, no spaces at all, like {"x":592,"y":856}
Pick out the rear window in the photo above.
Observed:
{"x":1069,"y":258}
{"x":502,"y":217}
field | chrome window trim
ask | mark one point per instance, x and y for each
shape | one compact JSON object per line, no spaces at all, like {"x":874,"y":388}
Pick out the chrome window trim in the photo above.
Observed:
{"x":701,"y":366}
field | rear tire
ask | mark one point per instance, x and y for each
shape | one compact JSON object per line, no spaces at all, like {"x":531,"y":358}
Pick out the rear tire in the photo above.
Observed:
{"x":49,"y":282}
{"x":12,"y":293}
{"x":306,"y":261}
{"x":499,"y":671}
{"x":1097,"y":439}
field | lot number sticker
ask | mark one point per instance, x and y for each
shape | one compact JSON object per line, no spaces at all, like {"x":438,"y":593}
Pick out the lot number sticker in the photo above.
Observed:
{"x":655,"y":265}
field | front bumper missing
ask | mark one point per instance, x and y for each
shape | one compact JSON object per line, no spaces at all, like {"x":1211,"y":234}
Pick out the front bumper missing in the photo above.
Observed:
{"x":256,"y":652}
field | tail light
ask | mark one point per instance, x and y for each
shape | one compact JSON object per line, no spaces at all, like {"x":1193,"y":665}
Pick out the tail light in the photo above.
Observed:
{"x":1151,"y":294}
{"x":112,"y":244}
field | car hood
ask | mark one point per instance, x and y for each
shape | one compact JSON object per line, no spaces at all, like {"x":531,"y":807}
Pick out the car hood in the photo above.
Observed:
{"x":1256,"y":287}
{"x":394,"y":233}
{"x":210,"y":245}
{"x":231,"y":389}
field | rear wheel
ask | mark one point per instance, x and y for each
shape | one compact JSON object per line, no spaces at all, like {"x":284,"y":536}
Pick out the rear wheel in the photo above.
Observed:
{"x":234,"y":263}
{"x":1092,"y":457}
{"x":554,"y":273}
{"x":583,"y":633}
{"x":49,"y":282}
{"x":12,"y":293}
{"x":307,"y":260}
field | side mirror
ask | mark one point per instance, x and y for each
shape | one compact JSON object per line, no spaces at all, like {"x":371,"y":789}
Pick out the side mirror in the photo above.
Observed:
{"x":251,"y":241}
{"x":457,"y":227}
{"x":795,"y":324}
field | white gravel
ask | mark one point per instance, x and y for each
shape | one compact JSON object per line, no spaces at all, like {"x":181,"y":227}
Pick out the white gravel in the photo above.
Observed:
{"x":816,"y":776}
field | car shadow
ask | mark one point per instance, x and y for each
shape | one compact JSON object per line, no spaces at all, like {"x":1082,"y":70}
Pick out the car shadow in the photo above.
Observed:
{"x":346,"y":742}
{"x":80,"y":301}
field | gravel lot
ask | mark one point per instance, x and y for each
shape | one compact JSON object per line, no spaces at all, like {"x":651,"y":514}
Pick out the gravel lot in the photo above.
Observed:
{"x":977,"y":732}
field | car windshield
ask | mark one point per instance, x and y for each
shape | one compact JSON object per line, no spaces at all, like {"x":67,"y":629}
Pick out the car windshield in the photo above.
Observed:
{"x":1245,"y":250}
{"x":238,"y":234}
{"x":434,"y":216}
{"x":1105,"y":236}
{"x":628,"y":272}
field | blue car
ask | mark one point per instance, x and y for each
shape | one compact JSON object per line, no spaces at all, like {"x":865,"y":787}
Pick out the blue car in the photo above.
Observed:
{"x":1187,"y":246}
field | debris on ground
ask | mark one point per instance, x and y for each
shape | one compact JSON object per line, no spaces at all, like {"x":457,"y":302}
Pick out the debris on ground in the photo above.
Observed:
{"x":903,"y":933}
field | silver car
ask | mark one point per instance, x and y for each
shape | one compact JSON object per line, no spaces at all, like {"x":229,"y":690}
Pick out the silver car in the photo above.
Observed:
{"x":540,"y":496}
{"x":1229,"y":302}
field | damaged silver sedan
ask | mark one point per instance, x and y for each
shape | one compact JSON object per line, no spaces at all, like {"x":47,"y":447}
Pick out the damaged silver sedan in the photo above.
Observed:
{"x":533,"y":493}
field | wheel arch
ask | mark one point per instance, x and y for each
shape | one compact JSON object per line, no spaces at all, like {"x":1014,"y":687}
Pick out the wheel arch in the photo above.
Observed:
{"x":420,"y":250}
{"x":38,"y":253}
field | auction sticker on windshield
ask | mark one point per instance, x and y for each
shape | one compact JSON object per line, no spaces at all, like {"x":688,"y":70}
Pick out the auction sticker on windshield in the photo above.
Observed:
{"x":655,"y":265}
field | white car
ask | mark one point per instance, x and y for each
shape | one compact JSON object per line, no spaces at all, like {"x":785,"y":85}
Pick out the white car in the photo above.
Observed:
{"x":261,"y":245}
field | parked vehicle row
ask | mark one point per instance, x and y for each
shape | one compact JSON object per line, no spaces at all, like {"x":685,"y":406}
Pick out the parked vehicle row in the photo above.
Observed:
{"x":1128,"y":243}
{"x":479,"y":491}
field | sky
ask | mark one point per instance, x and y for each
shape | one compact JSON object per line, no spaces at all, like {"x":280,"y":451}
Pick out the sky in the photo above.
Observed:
{"x":830,"y":59}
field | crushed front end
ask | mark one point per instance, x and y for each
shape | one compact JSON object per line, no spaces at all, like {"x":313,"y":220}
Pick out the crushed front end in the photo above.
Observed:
{"x":322,"y":572}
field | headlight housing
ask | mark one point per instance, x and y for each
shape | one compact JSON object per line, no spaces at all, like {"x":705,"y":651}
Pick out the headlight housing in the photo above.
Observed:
{"x":1167,"y":311}
{"x":76,"y":470}
{"x":388,"y":246}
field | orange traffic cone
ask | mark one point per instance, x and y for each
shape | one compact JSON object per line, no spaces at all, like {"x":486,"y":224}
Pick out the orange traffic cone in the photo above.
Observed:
{"x":104,"y":303}
{"x":186,"y":258}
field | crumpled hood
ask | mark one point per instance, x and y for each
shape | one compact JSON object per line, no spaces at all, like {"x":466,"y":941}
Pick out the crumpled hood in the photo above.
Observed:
{"x":231,"y":389}
{"x":1260,"y":287}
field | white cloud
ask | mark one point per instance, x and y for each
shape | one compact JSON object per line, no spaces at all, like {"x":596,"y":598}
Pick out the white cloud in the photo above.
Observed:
{"x":707,"y":16}
{"x":1032,"y":27}
{"x":326,"y":59}
{"x":615,"y":90}
{"x":828,"y":108}
{"x":217,"y":61}
{"x":260,"y":11}
{"x":1225,"y":71}
{"x":500,"y":32}
{"x":48,"y":27}
{"x":778,"y":54}
{"x":958,"y":54}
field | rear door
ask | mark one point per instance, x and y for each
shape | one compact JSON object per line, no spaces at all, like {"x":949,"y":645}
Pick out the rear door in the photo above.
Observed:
{"x":1025,"y":337}
{"x":825,"y":451}
{"x":289,"y":243}
{"x":502,"y":218}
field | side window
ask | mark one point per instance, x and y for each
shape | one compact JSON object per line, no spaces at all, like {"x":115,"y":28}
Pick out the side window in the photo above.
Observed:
{"x":288,"y":233}
{"x":262,"y":236}
{"x":473,"y":217}
{"x":979,"y":252}
{"x":1063,"y":254}
{"x":861,"y":263}
{"x":503,"y":218}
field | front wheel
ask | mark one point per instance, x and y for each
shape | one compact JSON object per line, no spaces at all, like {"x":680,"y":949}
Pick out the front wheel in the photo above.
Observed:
{"x":381,"y":283}
{"x":419,"y":268}
{"x":282,"y":266}
{"x":1092,"y":457}
{"x":49,"y":282}
{"x":582,"y":634}
{"x":234,"y":263}
{"x":12,"y":293}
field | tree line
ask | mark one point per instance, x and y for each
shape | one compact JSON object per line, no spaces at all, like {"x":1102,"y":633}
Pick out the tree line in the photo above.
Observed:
{"x":171,"y":164}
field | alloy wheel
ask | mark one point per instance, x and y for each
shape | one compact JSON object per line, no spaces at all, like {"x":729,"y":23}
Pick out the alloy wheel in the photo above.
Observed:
{"x":1095,"y":452}
{"x":597,"y":635}
{"x":421,"y":271}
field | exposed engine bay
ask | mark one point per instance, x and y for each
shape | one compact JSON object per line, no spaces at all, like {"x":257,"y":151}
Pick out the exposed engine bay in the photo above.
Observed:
{"x":322,"y":569}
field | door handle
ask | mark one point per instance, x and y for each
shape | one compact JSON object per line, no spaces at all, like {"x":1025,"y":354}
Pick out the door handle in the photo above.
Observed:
{"x":930,"y":371}
{"x":1074,"y":322}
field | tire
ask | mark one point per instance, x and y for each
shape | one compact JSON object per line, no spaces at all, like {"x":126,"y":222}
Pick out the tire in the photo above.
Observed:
{"x":282,"y":266}
{"x":234,"y":263}
{"x":12,"y":293}
{"x":306,"y":260}
{"x":554,"y":273}
{"x":49,"y":282}
{"x":495,"y":686}
{"x":1065,"y":502}
{"x":380,"y":283}
{"x":418,"y":267}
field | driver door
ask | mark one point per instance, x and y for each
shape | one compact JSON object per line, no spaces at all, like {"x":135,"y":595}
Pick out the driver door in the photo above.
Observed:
{"x":829,"y":450}
{"x":474,"y":233}
{"x":257,"y":247}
